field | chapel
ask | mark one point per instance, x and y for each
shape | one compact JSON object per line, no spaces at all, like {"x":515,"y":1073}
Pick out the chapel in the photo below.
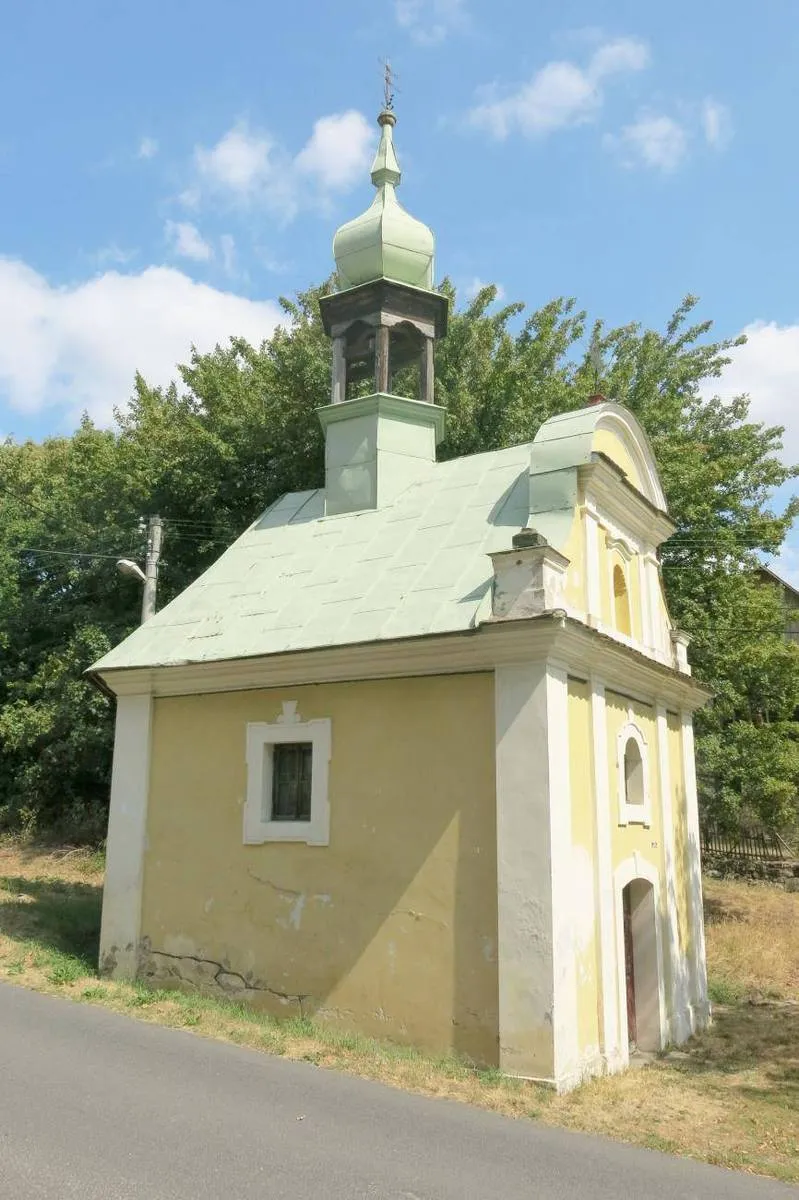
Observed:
{"x":414,"y":757}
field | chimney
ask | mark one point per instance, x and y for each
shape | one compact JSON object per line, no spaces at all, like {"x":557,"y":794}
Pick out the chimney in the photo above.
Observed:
{"x":528,"y":579}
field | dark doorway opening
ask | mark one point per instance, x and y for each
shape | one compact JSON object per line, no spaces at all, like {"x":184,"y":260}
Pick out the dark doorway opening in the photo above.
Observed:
{"x":641,"y":966}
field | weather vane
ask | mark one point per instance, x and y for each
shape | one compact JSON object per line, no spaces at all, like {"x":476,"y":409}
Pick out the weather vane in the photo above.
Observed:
{"x":389,"y":84}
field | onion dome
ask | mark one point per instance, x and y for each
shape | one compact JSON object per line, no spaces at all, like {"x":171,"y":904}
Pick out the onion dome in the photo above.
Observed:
{"x":385,"y":242}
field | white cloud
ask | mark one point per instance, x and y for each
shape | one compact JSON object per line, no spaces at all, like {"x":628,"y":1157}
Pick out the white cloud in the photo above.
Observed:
{"x":716,"y":123}
{"x":661,"y":142}
{"x":112,"y":253}
{"x":187,"y":241}
{"x":148,"y":148}
{"x":239,"y":161}
{"x":622,"y":54}
{"x":476,"y":284}
{"x":767,"y":368}
{"x":190,"y":197}
{"x":654,"y":141}
{"x":338,"y":151}
{"x":560,"y":94}
{"x":79,"y":347}
{"x":247,"y":166}
{"x":429,"y":22}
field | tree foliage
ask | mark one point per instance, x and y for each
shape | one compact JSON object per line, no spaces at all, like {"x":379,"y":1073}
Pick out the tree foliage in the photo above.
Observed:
{"x":238,"y":428}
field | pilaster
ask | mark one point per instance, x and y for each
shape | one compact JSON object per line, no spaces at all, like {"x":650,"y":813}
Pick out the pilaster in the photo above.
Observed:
{"x":120,"y":929}
{"x":537,"y":984}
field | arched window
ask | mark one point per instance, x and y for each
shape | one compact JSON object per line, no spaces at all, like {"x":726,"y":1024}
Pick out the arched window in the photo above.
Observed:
{"x":633,"y":774}
{"x":635,"y":805}
{"x":621,"y":602}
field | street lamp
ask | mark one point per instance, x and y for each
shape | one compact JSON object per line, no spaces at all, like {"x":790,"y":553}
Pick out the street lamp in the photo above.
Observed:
{"x":126,"y":566}
{"x":149,"y":576}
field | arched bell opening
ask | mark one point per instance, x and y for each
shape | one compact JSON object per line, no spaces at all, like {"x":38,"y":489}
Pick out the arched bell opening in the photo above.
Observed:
{"x":405,"y":348}
{"x":384,"y":337}
{"x":397,"y":359}
{"x":358,"y":352}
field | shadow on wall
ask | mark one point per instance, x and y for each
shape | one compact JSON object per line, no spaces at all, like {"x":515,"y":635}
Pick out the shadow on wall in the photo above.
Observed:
{"x":680,"y":976}
{"x":392,"y":928}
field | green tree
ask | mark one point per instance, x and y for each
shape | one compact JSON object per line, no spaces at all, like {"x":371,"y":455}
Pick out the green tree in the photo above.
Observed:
{"x":239,"y":427}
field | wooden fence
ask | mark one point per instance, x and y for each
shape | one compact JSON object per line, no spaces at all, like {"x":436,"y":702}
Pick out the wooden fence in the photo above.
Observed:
{"x":760,"y":845}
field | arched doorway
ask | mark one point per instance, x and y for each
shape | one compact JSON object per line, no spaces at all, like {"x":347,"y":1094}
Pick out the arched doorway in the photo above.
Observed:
{"x":641,"y":966}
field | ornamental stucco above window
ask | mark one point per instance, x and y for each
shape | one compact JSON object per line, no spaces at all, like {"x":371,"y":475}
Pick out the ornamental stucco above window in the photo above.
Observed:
{"x":287,"y":780}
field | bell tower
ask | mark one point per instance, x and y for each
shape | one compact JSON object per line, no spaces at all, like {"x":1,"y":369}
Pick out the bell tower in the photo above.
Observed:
{"x":382,"y":425}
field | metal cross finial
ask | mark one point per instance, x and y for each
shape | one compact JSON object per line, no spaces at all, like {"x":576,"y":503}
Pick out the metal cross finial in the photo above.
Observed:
{"x":389,"y":84}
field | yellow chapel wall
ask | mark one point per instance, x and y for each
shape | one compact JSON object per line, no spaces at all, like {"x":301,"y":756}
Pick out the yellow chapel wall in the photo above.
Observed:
{"x":576,"y":585}
{"x":607,"y":442}
{"x":586,"y":947}
{"x":392,"y":927}
{"x":609,"y":557}
{"x":627,"y":840}
{"x":575,"y":592}
{"x":636,"y":605}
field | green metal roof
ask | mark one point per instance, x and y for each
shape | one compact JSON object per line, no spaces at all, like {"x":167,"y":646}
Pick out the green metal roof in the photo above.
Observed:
{"x":298,"y":580}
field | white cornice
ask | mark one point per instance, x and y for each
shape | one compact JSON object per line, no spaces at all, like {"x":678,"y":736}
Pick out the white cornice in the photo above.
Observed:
{"x":608,"y":492}
{"x":550,"y":636}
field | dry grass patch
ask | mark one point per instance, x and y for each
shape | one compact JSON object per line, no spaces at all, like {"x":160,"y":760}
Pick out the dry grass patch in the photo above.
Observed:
{"x":752,"y":940}
{"x":730,"y":1098}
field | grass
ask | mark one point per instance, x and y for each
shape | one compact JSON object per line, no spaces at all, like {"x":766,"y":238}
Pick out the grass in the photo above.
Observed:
{"x":753,"y":941}
{"x":730,"y":1097}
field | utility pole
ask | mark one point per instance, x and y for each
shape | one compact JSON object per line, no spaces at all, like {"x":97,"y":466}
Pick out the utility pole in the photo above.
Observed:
{"x":155,"y":535}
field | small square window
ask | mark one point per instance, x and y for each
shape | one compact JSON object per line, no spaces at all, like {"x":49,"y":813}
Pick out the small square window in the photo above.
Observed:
{"x":291,"y":781}
{"x":287,"y":780}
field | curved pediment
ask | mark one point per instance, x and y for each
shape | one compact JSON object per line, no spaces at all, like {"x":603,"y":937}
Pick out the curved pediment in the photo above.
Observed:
{"x":572,"y":439}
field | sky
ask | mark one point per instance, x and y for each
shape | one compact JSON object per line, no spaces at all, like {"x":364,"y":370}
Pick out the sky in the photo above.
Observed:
{"x":168,"y":170}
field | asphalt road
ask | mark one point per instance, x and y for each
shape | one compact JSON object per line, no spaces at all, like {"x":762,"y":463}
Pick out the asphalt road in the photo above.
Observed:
{"x":103,"y":1107}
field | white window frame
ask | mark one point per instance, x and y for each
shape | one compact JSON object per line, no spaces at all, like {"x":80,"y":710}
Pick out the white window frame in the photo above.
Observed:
{"x":261,"y":738}
{"x":633,"y":814}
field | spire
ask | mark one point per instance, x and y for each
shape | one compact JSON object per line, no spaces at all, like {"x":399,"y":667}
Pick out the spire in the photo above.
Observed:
{"x":386,"y":168}
{"x":383,"y":320}
{"x":385,"y":242}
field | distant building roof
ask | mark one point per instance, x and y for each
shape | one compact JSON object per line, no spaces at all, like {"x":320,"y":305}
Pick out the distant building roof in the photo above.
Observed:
{"x":773,"y":577}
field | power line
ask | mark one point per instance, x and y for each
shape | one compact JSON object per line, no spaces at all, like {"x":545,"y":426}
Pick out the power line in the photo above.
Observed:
{"x":63,"y":553}
{"x":183,"y":521}
{"x":199,"y":541}
{"x":26,"y":500}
